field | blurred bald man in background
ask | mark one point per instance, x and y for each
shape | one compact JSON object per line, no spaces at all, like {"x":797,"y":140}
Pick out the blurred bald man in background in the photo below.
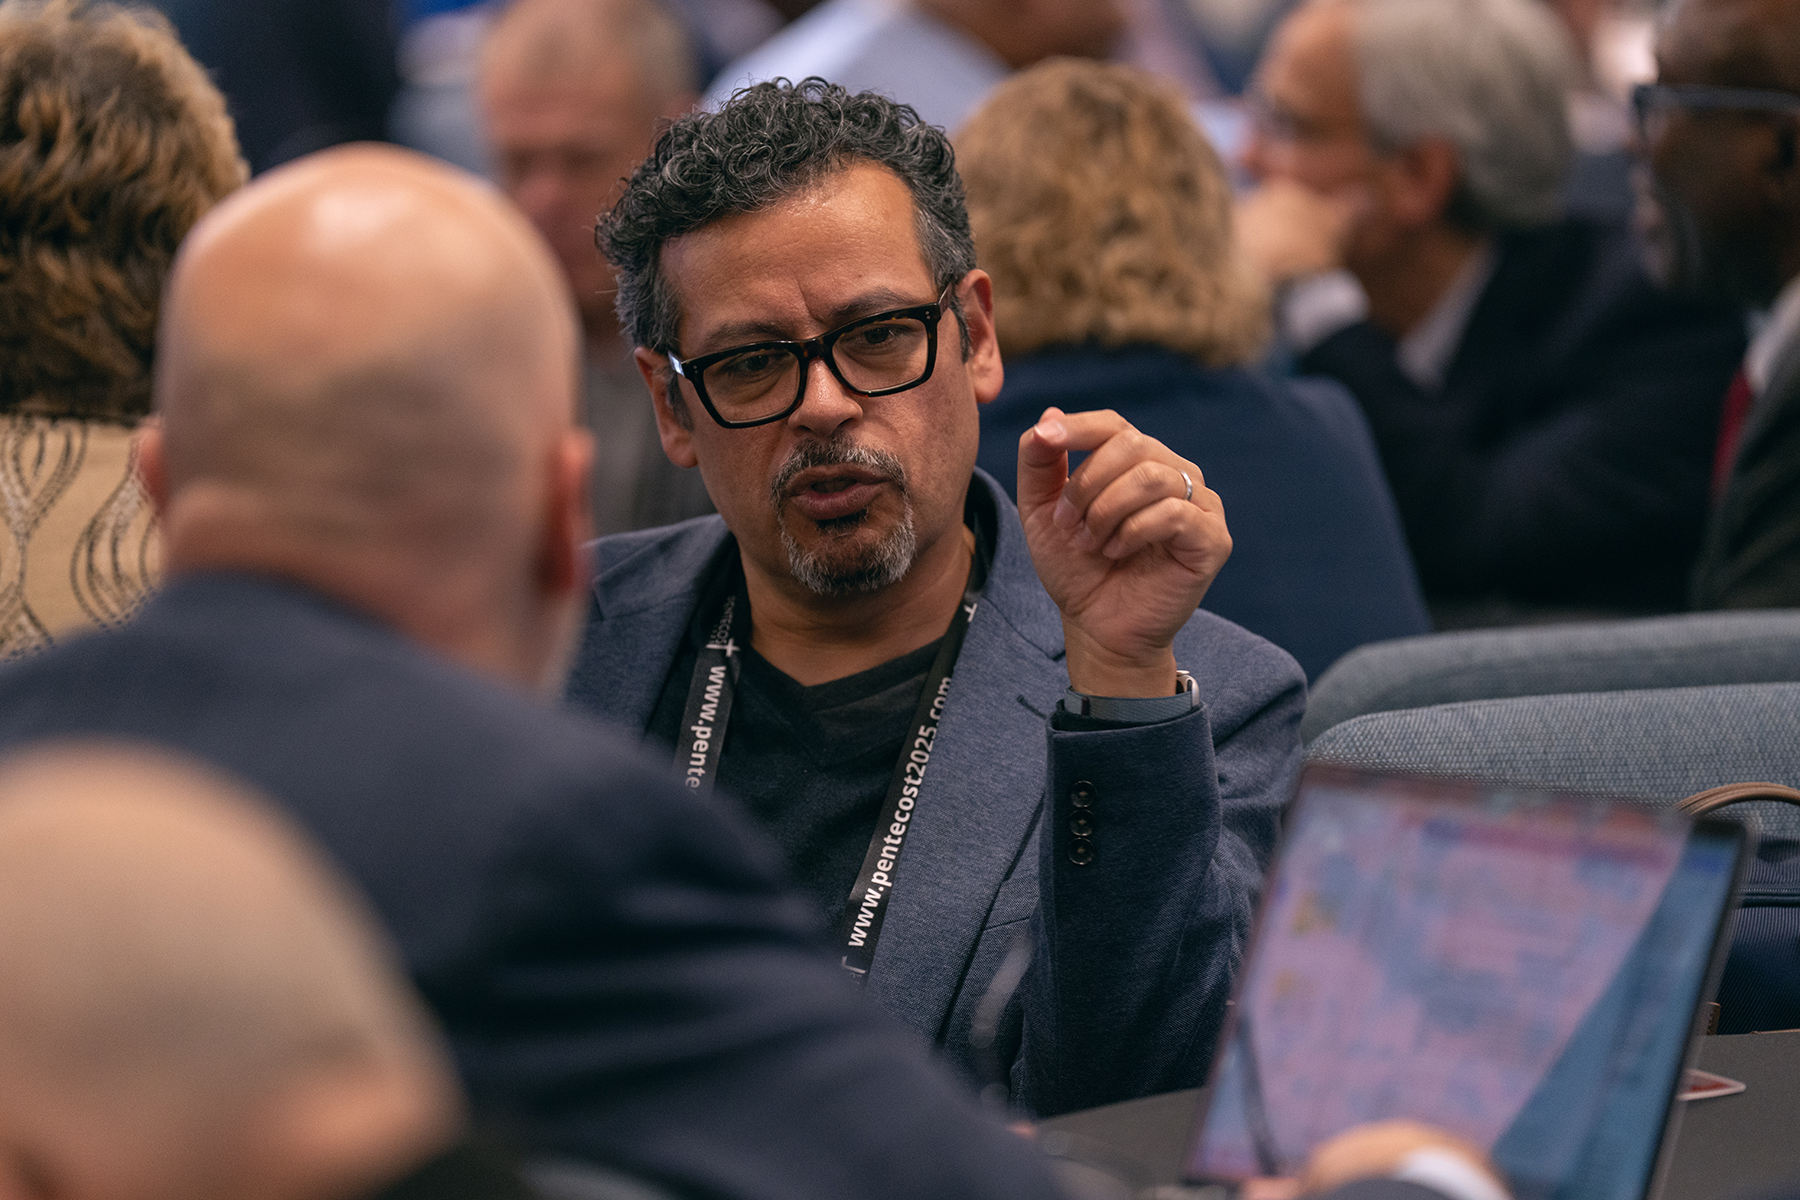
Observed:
{"x":374,"y":501}
{"x":191,"y":1005}
{"x":572,"y":93}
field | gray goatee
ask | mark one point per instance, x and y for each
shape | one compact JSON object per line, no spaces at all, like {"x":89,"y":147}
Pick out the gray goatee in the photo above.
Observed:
{"x":837,"y":566}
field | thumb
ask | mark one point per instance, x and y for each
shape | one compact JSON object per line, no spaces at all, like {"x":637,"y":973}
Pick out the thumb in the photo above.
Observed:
{"x":1043,"y":461}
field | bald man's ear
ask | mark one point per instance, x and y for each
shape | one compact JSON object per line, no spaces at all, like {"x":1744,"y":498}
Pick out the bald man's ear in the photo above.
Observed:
{"x":569,"y":519}
{"x":676,"y":433}
{"x":153,"y":470}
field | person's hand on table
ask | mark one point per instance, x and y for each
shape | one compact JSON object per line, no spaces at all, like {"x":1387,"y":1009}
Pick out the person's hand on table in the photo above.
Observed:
{"x":1286,"y":230}
{"x":1385,"y":1150}
{"x":1120,"y":546}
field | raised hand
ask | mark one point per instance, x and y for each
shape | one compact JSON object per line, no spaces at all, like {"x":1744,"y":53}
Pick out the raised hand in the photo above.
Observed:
{"x":1121,"y":547}
{"x":1286,"y":230}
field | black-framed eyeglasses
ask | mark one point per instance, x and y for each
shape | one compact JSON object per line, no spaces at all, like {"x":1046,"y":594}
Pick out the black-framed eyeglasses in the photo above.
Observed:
{"x":766,"y":381}
{"x":1651,"y":100}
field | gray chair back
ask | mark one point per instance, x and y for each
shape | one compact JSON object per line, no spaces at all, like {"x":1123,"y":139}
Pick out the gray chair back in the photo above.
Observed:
{"x":1692,"y":650}
{"x":1658,"y":745}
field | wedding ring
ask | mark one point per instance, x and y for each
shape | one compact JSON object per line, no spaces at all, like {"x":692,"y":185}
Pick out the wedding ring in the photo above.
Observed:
{"x":1185,"y":478}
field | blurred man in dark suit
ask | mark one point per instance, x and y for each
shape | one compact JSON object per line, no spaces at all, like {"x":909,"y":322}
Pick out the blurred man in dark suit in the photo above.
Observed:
{"x":1722,"y":209}
{"x":374,"y":500}
{"x":299,"y":75}
{"x":1544,"y":415}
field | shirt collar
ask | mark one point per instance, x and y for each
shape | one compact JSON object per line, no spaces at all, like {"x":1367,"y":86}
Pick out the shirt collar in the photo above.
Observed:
{"x":1426,"y":353}
{"x":1771,"y":332}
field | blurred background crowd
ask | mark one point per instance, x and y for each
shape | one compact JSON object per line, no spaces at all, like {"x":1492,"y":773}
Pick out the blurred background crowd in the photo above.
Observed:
{"x":1438,"y":394}
{"x":1471,"y":313}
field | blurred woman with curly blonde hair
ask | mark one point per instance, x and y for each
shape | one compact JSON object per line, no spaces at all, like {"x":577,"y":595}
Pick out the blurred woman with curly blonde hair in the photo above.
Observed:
{"x":1104,"y":217}
{"x":113,"y":142}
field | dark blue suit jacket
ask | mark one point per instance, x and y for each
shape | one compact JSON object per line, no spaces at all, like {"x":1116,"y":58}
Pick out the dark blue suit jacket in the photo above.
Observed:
{"x":620,"y":973}
{"x":1566,"y":460}
{"x":1318,"y":563}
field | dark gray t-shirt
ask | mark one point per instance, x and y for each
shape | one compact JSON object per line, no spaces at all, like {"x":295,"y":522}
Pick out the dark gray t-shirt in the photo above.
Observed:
{"x":811,"y":764}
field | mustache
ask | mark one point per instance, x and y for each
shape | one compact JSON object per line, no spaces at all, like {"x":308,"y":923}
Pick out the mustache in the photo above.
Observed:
{"x":835,"y":453}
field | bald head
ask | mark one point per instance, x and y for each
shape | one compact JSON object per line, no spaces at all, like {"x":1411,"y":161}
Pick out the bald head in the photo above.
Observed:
{"x":366,"y":378}
{"x":1738,"y":43}
{"x":187,"y":994}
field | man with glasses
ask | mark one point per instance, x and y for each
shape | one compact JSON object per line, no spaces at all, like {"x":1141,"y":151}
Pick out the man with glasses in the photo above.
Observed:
{"x":870,"y":647}
{"x":1721,"y":208}
{"x":1544,"y":415}
{"x":371,"y":492}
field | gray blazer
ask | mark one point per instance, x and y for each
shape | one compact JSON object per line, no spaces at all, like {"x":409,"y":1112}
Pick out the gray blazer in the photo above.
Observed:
{"x":1751,"y":555}
{"x":1134,"y":962}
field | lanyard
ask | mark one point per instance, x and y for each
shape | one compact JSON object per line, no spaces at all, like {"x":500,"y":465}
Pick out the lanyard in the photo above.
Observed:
{"x":702,"y":743}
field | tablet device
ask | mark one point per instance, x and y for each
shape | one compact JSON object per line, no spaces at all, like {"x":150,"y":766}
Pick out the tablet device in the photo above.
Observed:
{"x":1523,"y":969}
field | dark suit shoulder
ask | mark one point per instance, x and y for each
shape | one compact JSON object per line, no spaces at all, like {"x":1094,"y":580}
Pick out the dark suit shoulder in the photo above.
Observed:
{"x":1581,"y":285}
{"x":358,"y":733}
{"x":1205,"y":413}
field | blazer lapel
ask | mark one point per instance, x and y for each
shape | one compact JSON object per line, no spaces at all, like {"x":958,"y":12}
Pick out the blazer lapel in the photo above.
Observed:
{"x":981,"y":792}
{"x":643,"y":598}
{"x":1777,"y":395}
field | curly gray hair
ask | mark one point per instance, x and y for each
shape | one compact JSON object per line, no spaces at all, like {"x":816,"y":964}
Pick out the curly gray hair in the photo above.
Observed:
{"x":767,"y":142}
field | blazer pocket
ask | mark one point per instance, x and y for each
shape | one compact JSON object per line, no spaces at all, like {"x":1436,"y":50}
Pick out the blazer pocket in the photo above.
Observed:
{"x":1017,"y":899}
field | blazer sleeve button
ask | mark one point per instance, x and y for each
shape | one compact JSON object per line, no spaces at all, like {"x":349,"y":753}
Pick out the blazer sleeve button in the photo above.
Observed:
{"x":1082,"y":794}
{"x":1081,"y":824}
{"x":1081,"y":852}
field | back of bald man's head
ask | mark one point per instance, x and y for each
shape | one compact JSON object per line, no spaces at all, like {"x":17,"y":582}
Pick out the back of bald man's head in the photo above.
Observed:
{"x":168,"y":941}
{"x":365,"y":350}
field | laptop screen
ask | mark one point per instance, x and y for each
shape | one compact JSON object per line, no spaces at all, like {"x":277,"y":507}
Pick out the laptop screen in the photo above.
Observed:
{"x":1518,"y":968}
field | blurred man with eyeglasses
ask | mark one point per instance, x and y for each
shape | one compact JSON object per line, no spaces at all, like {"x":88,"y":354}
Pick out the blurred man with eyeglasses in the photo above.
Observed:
{"x":1544,"y":415}
{"x":872,"y":650}
{"x":571,"y":94}
{"x":1720,"y":205}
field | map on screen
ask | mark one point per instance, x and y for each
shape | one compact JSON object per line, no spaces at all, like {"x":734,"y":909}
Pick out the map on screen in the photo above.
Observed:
{"x":1418,"y":958}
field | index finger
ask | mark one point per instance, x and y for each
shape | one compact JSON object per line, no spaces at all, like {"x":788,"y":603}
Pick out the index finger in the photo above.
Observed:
{"x":1044,"y":451}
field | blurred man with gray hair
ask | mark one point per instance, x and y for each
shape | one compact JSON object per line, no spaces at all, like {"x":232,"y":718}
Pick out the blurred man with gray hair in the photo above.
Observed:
{"x":572,"y":92}
{"x":1545,"y":417}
